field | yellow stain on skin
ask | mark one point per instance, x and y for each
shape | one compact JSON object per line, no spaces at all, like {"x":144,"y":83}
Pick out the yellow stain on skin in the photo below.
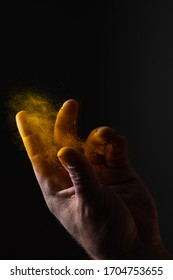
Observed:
{"x":41,"y":115}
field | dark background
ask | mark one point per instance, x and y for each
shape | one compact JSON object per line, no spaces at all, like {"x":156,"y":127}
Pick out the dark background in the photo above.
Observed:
{"x":117,"y":61}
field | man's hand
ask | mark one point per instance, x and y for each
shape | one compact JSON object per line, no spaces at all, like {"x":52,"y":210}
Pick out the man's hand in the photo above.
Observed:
{"x":92,"y":190}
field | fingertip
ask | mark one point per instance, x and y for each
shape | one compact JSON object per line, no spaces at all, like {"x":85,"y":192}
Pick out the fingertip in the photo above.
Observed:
{"x":67,"y":156}
{"x":21,"y":121}
{"x":72,"y":103}
{"x":21,"y":115}
{"x":101,"y":135}
{"x":62,"y":151}
{"x":105,"y":133}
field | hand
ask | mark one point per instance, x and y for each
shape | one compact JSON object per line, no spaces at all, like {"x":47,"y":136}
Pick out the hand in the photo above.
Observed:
{"x":93,"y":191}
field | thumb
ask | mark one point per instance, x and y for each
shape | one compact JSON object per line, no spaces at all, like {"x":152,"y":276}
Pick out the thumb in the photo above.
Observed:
{"x":80,"y":171}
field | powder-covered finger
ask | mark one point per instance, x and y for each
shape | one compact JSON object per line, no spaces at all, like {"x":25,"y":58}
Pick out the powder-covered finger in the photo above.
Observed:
{"x":34,"y":147}
{"x":22,"y":124}
{"x":30,"y":141}
{"x":104,"y":146}
{"x":66,"y":125}
{"x":94,"y":147}
{"x":117,"y":153}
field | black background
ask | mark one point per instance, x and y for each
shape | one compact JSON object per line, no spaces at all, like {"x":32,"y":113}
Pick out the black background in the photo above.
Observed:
{"x":117,"y":61}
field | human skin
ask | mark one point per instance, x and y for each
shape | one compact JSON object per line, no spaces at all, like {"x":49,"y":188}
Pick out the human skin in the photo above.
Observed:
{"x":93,"y":190}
